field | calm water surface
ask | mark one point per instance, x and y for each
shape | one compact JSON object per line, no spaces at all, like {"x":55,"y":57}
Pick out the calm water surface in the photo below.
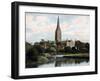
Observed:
{"x":63,"y":62}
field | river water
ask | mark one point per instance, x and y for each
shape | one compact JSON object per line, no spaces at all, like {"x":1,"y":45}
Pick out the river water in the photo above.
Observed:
{"x":64,"y":62}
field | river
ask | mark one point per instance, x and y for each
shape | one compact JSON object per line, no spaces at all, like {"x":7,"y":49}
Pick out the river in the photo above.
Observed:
{"x":64,"y":62}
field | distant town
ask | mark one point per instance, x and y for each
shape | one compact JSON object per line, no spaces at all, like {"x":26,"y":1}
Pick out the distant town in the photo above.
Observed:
{"x":63,"y":46}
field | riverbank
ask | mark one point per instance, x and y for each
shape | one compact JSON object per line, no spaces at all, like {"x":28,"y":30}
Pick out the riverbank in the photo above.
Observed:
{"x":78,"y":55}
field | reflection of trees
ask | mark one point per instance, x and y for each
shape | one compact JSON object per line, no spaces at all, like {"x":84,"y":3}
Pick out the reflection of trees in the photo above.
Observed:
{"x":60,"y":61}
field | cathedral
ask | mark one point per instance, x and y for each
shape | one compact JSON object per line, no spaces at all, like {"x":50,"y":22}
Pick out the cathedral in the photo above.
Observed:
{"x":58,"y":36}
{"x":58,"y":33}
{"x":59,"y":43}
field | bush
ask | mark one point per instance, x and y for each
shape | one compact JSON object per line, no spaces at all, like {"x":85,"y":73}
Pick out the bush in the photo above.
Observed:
{"x":68,"y":49}
{"x":32,"y":54}
{"x":74,"y":50}
{"x":50,"y":50}
{"x":47,"y":55}
{"x":39,"y":49}
{"x":42,"y":60}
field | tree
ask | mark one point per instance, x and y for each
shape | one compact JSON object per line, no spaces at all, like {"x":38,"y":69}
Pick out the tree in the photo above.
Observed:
{"x":32,"y":54}
{"x":50,"y":50}
{"x":28,"y":46}
{"x":40,"y":49}
{"x":74,"y":50}
{"x":87,"y":46}
{"x":68,"y":49}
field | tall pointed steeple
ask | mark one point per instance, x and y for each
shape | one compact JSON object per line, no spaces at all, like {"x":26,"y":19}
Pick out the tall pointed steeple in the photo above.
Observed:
{"x":58,"y":32}
{"x":58,"y":23}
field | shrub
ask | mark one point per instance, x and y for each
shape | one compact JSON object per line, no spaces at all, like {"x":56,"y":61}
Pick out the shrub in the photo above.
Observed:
{"x":42,"y":60}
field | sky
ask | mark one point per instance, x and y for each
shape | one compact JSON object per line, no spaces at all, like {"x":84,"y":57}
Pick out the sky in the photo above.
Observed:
{"x":43,"y":25}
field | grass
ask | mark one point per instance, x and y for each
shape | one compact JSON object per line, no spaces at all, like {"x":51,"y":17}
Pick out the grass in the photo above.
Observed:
{"x":77,"y":54}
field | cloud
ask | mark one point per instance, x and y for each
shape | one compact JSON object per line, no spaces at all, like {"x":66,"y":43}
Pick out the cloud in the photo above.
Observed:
{"x":29,"y":19}
{"x":43,"y":26}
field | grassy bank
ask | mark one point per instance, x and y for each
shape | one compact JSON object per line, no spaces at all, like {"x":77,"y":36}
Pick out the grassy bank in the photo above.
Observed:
{"x":77,"y":54}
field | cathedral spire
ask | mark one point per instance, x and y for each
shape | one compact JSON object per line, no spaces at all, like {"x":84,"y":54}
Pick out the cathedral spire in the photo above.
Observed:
{"x":58,"y":22}
{"x":58,"y":32}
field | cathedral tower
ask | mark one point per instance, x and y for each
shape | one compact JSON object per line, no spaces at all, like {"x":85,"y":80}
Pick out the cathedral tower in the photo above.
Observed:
{"x":58,"y":33}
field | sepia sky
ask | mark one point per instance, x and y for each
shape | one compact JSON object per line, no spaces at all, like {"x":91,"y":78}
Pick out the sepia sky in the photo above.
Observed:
{"x":42,"y":26}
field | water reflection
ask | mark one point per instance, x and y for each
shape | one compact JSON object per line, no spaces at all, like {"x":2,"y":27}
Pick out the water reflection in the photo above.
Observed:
{"x":66,"y":61}
{"x":61,"y":62}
